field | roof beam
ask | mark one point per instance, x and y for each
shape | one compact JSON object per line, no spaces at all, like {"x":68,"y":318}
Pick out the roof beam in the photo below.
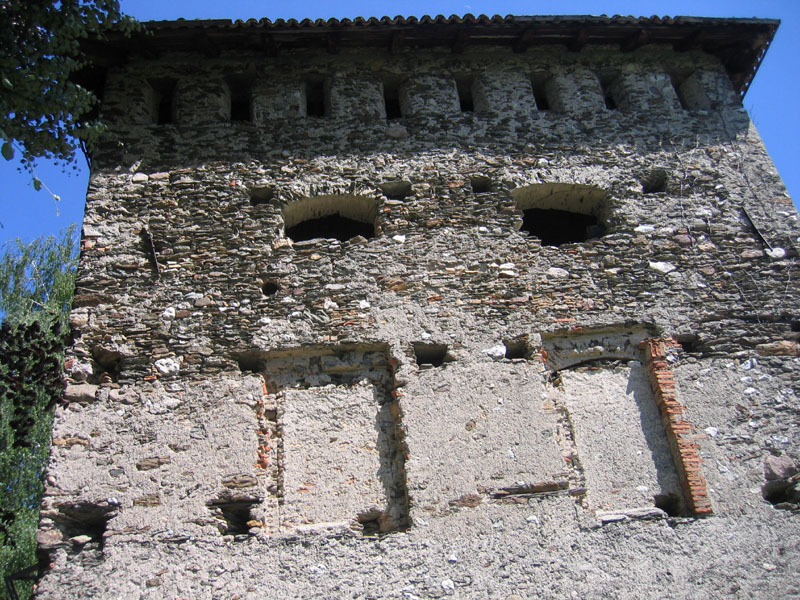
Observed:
{"x":695,"y":38}
{"x":206,"y":45}
{"x":461,"y":42}
{"x":524,"y":41}
{"x":579,"y":41}
{"x":398,"y":37}
{"x":332,"y":42}
{"x":637,"y":40}
{"x":267,"y":45}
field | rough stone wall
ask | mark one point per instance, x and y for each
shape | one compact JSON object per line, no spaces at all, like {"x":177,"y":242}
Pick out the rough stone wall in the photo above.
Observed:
{"x":448,"y":407}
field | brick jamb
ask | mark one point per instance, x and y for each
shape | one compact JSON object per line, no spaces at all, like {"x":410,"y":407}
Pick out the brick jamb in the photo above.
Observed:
{"x":685,"y":451}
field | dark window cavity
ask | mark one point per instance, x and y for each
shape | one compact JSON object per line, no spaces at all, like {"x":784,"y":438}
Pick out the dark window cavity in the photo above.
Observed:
{"x":340,"y":217}
{"x":163,"y":100}
{"x":539,"y":84}
{"x":240,"y":89}
{"x":391,"y":100}
{"x":316,"y":98}
{"x":464,"y":87}
{"x":562,"y":213}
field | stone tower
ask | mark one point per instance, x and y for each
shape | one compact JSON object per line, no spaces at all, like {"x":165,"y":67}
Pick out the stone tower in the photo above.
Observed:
{"x":486,"y":308}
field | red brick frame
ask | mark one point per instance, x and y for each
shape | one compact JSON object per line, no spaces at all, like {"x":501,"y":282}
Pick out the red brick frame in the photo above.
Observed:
{"x":685,"y":451}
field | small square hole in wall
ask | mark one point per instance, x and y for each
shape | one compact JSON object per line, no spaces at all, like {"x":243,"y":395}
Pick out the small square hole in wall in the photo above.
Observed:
{"x":261,"y":195}
{"x":270,"y":287}
{"x":655,"y":182}
{"x":250,"y":362}
{"x":690,"y":342}
{"x":464,"y":88}
{"x":430,"y":354}
{"x":480,"y":184}
{"x":518,"y":348}
{"x":795,"y":325}
{"x":396,"y":190}
{"x":671,"y":504}
{"x":235,"y":516}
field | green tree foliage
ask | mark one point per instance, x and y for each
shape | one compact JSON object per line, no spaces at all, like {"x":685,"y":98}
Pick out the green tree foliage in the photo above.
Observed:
{"x":36,"y":286}
{"x":43,"y":113}
{"x":31,"y":356}
{"x":37,"y":279}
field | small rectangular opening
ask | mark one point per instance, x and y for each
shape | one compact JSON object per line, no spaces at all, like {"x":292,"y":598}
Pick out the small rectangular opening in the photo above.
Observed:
{"x":430,"y":354}
{"x":606,"y":85}
{"x":677,"y":84}
{"x":538,"y":82}
{"x":396,"y":190}
{"x":519,"y":348}
{"x":163,"y":100}
{"x":241,"y":94}
{"x":234,"y":516}
{"x":316,"y":98}
{"x":391,"y":100}
{"x":464,"y":87}
{"x":690,"y":342}
{"x":480,"y":184}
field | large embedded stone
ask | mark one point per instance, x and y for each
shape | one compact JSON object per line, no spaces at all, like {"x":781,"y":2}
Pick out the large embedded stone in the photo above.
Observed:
{"x":778,"y":467}
{"x":83,"y":392}
{"x":780,"y":348}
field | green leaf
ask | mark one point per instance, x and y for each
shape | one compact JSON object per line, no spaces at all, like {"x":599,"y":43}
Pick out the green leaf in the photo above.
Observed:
{"x":7,"y":83}
{"x":7,"y":151}
{"x":37,"y":184}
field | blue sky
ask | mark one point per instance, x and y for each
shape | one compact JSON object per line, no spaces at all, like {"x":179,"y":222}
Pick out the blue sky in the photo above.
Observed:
{"x":772,"y":100}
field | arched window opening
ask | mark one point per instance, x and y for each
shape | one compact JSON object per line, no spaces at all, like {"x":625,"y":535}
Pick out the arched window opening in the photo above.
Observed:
{"x":562,"y":213}
{"x":340,"y":216}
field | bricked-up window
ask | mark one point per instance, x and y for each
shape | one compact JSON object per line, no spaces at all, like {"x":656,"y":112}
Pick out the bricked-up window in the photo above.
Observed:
{"x":464,"y":87}
{"x":562,"y":213}
{"x":317,"y":98}
{"x":163,"y":100}
{"x":240,"y":89}
{"x":339,"y":216}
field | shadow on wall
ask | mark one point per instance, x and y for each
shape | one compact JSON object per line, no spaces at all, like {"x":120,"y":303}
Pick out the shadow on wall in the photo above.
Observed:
{"x":669,"y":498}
